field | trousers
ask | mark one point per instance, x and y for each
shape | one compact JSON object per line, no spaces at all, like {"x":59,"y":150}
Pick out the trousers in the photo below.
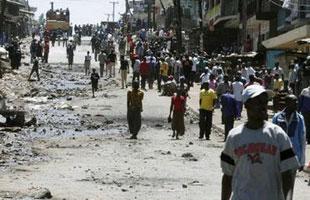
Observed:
{"x":134,"y":121}
{"x":124,"y":77}
{"x":205,"y":123}
{"x":229,"y":124}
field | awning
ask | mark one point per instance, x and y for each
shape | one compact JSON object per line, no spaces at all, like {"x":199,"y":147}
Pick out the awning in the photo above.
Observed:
{"x":243,"y":55}
{"x":26,"y":12}
{"x":288,"y":41}
{"x":15,"y":3}
{"x":305,"y":41}
{"x":225,"y":19}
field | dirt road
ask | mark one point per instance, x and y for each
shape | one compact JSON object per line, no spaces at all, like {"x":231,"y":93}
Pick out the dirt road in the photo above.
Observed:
{"x":80,"y":149}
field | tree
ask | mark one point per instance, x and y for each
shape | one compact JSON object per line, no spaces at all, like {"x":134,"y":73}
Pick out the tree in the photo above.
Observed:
{"x":41,"y":19}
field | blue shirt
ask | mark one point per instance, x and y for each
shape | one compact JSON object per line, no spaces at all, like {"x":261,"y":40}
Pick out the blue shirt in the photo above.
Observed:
{"x":295,"y":129}
{"x":304,"y":100}
{"x":229,"y":108}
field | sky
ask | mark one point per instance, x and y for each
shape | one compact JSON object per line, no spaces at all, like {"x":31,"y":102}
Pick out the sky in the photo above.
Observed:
{"x":82,"y":11}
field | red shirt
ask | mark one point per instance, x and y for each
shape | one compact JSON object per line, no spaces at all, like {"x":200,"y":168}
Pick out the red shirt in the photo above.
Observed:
{"x":144,"y":68}
{"x":178,"y":103}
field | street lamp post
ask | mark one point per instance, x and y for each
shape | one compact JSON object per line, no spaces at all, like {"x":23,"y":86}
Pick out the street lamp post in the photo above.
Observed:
{"x":177,"y":5}
{"x":114,"y":3}
{"x":201,"y":24}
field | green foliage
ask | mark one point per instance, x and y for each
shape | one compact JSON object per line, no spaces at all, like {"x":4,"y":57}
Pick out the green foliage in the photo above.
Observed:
{"x":41,"y":19}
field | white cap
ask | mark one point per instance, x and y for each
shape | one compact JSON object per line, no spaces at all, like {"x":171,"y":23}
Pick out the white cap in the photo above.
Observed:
{"x":252,"y":91}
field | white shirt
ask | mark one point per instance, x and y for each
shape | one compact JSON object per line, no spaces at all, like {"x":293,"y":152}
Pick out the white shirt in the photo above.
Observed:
{"x":214,"y":70}
{"x":277,"y":71}
{"x":255,"y":159}
{"x":195,"y":61}
{"x":250,"y":71}
{"x":237,"y":90}
{"x":136,"y":67}
{"x":177,"y":67}
{"x":204,"y":77}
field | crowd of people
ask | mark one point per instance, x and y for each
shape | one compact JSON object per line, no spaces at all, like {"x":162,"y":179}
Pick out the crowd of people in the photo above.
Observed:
{"x":274,"y":151}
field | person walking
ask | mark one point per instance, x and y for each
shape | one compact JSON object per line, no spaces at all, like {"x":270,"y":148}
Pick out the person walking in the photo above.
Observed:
{"x":35,"y":69}
{"x":123,"y":70}
{"x":177,"y":107}
{"x":207,"y":102}
{"x":39,"y":51}
{"x":112,"y":62}
{"x":65,"y":39}
{"x":136,"y":70}
{"x":258,"y":156}
{"x":94,"y":81}
{"x":134,"y":109}
{"x":229,"y":111}
{"x":144,"y":72}
{"x":238,"y":88}
{"x":33,"y":50}
{"x":59,"y":34}
{"x":187,"y":69}
{"x":46,"y":52}
{"x":102,"y":61}
{"x":53,"y":38}
{"x":304,"y":108}
{"x":87,"y":63}
{"x":163,"y":73}
{"x":294,"y":125}
{"x":70,"y":55}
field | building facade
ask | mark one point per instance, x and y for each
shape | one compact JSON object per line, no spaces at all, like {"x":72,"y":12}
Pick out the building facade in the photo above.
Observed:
{"x":18,"y":19}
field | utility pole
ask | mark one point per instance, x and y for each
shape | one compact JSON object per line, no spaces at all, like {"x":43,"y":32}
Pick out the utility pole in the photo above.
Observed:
{"x":149,"y":13}
{"x":244,"y":22}
{"x":114,"y":3}
{"x":108,"y":15}
{"x":177,"y":4}
{"x":154,"y":16}
{"x":201,"y":25}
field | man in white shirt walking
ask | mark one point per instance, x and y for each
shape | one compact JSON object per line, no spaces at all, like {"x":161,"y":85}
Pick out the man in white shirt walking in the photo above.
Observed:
{"x":237,"y":92}
{"x":258,"y":157}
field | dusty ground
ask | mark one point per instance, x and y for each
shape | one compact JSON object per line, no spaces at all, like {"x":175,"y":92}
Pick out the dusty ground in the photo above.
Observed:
{"x":80,"y":149}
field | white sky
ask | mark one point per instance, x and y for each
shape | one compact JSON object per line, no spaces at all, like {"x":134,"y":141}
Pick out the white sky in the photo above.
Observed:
{"x":82,"y":11}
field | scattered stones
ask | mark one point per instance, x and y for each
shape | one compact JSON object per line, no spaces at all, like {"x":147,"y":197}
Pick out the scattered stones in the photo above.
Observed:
{"x":43,"y":193}
{"x":184,"y":186}
{"x":159,"y":125}
{"x":109,"y":122}
{"x":195,"y":183}
{"x":69,"y":98}
{"x":189,"y":157}
{"x":8,"y":144}
{"x":85,"y":107}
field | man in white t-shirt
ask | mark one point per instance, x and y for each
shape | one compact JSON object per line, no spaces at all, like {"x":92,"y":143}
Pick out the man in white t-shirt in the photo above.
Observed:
{"x":250,"y":71}
{"x":204,"y":77}
{"x":177,"y":69}
{"x":238,"y":88}
{"x":258,"y":156}
{"x":278,"y":70}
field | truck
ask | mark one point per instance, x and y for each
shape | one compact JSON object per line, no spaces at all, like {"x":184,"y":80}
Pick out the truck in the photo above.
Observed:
{"x":58,"y":19}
